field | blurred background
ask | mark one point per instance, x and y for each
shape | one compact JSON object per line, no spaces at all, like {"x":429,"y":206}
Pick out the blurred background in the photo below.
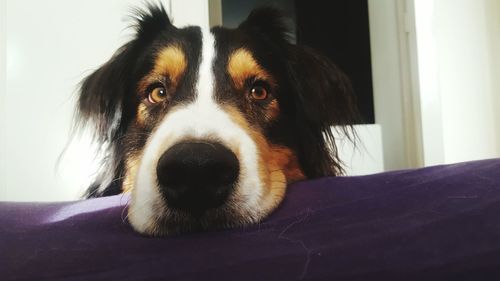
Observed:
{"x":426,"y":74}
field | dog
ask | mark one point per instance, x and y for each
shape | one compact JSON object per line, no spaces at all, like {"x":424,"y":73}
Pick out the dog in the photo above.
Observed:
{"x":205,"y":128}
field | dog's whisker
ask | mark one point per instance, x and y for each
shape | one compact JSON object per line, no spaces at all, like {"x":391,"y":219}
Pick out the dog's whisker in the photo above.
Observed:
{"x":275,"y":171}
{"x":123,"y":196}
{"x":131,"y":211}
{"x":133,"y":134}
{"x":92,"y":193}
{"x":117,"y":179}
{"x":284,"y":182}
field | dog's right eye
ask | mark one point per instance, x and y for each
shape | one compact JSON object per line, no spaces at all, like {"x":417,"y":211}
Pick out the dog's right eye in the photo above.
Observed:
{"x":157,"y":94}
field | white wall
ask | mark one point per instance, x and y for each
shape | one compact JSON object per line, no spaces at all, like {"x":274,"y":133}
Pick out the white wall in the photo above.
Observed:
{"x":436,"y":83}
{"x":3,"y":59}
{"x":364,"y":156}
{"x":468,"y":94}
{"x":458,"y":54}
{"x":392,"y":85}
{"x":50,"y":46}
{"x":428,"y":84}
{"x":493,"y":23}
{"x":190,"y":12}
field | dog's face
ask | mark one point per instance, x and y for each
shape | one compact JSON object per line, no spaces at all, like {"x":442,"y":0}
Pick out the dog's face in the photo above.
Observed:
{"x":206,"y":127}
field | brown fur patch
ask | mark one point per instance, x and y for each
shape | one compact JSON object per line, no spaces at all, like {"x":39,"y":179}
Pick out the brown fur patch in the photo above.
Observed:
{"x":131,"y":166}
{"x":278,"y":165}
{"x":142,"y":114}
{"x":272,"y":110}
{"x":242,"y":65}
{"x":171,"y":63}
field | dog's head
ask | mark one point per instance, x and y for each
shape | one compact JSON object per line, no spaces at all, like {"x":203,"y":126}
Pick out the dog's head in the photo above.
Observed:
{"x":207,"y":127}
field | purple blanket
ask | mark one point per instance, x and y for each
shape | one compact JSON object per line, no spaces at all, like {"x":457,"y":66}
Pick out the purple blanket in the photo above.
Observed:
{"x":437,"y":223}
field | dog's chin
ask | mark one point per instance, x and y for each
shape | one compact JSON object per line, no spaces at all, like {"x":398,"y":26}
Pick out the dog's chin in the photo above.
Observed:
{"x":170,"y":221}
{"x":187,"y":223}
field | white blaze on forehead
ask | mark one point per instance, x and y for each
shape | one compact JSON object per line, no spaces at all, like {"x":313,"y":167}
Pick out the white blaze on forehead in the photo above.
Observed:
{"x":206,"y":78}
{"x":205,"y":120}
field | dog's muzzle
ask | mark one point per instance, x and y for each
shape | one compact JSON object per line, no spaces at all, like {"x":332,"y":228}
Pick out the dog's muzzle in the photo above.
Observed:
{"x":197,"y":176}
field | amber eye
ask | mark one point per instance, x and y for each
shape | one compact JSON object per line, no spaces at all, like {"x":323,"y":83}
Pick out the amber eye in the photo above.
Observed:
{"x":157,"y":95}
{"x":258,"y":93}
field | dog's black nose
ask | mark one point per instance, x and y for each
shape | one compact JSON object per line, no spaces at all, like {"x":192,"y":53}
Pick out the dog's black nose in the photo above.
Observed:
{"x":197,"y":176}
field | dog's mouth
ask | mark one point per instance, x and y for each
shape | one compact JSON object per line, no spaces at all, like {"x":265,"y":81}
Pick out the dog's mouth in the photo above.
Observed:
{"x":173,"y":221}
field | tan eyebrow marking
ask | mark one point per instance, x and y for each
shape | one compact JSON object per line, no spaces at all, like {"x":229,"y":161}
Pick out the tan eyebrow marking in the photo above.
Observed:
{"x":170,"y":62}
{"x":242,"y":65}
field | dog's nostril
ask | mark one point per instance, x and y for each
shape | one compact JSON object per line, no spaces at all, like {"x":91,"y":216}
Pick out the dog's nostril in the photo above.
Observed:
{"x":196,"y":176}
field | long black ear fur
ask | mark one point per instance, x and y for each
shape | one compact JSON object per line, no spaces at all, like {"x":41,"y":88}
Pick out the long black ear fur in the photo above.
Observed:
{"x":106,"y":95}
{"x":322,"y":97}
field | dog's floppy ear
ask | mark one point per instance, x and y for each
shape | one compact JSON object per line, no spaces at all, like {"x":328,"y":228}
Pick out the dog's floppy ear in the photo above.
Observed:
{"x":322,"y":97}
{"x":107,"y":96}
{"x":103,"y":93}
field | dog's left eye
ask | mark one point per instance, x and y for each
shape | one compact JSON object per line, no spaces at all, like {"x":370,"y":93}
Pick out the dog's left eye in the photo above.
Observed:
{"x":259,"y":91}
{"x":157,"y":94}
